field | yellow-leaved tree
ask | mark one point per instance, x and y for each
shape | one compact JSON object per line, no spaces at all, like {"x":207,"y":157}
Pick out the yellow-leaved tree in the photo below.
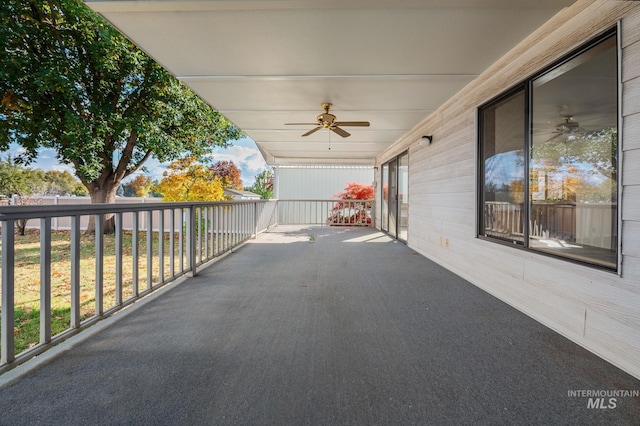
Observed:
{"x":187,"y":180}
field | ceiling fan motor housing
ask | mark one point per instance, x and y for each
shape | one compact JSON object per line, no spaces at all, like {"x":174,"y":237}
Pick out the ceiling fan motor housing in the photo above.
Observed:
{"x":326,"y":119}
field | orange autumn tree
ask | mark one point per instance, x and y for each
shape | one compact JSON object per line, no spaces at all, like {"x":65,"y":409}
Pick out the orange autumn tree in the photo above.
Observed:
{"x":228,"y":173}
{"x":348,"y":212}
{"x":140,"y":186}
{"x":187,"y":180}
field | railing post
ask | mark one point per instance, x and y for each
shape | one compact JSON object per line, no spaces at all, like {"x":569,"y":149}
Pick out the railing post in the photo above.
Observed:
{"x":8,"y":287}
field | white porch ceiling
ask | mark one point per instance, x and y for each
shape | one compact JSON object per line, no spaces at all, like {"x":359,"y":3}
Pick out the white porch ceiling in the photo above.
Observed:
{"x":263,"y":63}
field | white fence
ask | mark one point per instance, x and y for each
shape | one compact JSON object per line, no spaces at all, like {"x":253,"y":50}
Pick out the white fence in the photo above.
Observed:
{"x":64,"y":223}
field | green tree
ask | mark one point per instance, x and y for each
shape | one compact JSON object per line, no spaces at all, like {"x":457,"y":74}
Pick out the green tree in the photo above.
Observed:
{"x":62,"y":183}
{"x":16,"y":179}
{"x":71,"y":82}
{"x":263,"y":185}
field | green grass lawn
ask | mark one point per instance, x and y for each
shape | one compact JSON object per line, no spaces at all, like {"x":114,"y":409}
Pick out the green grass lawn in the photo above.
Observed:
{"x":27,"y":279}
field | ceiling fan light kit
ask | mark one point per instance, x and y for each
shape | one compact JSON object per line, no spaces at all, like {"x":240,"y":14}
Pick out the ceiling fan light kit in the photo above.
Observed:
{"x":327,"y":120}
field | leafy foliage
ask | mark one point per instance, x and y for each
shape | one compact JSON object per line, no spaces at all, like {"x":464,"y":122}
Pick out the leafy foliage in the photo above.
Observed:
{"x":63,"y":183}
{"x":16,"y":179}
{"x":69,"y":81}
{"x":263,"y":185}
{"x":577,"y":167}
{"x":228,"y":173}
{"x":356,"y":191}
{"x":19,"y":180}
{"x":187,"y":180}
{"x":346,"y":212}
{"x":141,"y":186}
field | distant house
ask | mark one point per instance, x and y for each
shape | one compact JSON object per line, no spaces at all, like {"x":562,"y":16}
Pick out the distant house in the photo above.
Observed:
{"x":237,"y":194}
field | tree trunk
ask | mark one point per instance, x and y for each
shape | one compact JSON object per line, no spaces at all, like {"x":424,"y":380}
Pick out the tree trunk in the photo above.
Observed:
{"x":103,"y":193}
{"x":21,"y":224}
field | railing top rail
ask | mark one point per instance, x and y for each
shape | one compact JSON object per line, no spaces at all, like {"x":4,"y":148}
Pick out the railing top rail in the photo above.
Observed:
{"x":48,"y":210}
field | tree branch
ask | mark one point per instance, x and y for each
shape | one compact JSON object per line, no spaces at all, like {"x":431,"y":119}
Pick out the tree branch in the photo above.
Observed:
{"x":127,"y":154}
{"x":139,"y":164}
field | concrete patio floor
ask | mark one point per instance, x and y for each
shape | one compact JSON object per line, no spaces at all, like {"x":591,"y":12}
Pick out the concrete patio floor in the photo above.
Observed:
{"x":317,"y":326}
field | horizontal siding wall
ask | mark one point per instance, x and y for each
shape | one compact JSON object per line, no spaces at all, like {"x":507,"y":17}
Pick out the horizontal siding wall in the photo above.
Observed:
{"x":597,"y":309}
{"x":317,"y":183}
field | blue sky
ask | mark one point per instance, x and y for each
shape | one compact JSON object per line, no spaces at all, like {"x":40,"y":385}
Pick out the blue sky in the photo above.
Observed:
{"x":243,"y":153}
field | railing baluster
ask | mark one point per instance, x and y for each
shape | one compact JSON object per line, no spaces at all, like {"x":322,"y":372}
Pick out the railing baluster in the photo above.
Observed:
{"x":255,"y":218}
{"x":172,"y":248}
{"x":221,"y":227}
{"x":198,"y":234}
{"x":135,"y":254}
{"x":161,"y":246}
{"x":191,"y":235}
{"x":217,"y":228}
{"x":181,"y":240}
{"x":119,"y":255}
{"x":149,"y":249}
{"x":234,"y":225}
{"x":8,"y":287}
{"x":212,"y":229}
{"x":99,"y":269}
{"x":45,"y":280}
{"x":75,"y":272}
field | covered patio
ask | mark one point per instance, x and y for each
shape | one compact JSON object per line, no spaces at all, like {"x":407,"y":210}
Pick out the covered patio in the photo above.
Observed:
{"x":317,"y":325}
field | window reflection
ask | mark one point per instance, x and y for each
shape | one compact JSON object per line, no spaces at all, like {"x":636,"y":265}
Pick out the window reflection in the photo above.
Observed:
{"x":549,"y":159}
{"x":573,"y":164}
{"x":503,"y":136}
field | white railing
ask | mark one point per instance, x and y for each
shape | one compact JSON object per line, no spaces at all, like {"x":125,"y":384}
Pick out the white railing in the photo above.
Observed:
{"x":58,"y":279}
{"x":55,"y":283}
{"x":326,"y":212}
{"x":583,"y":223}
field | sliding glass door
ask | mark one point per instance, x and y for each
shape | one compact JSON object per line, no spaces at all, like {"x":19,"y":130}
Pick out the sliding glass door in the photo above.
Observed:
{"x":395,"y":197}
{"x":403,"y":196}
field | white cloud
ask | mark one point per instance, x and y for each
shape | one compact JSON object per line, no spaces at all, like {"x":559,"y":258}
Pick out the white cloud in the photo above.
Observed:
{"x":248,"y":159}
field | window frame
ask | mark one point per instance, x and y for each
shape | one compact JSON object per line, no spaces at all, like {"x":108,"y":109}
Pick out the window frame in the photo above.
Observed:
{"x":526,"y":86}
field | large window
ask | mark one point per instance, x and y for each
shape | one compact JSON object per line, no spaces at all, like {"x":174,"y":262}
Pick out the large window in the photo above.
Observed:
{"x":549,"y":159}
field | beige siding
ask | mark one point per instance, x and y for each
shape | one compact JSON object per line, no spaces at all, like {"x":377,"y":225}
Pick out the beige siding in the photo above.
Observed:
{"x":597,"y":309}
{"x":317,"y":183}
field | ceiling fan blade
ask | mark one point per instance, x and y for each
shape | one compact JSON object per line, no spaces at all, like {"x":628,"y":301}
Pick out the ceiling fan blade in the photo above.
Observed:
{"x":312,"y":131}
{"x":301,"y":124}
{"x":353,"y":123}
{"x":339,"y":131}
